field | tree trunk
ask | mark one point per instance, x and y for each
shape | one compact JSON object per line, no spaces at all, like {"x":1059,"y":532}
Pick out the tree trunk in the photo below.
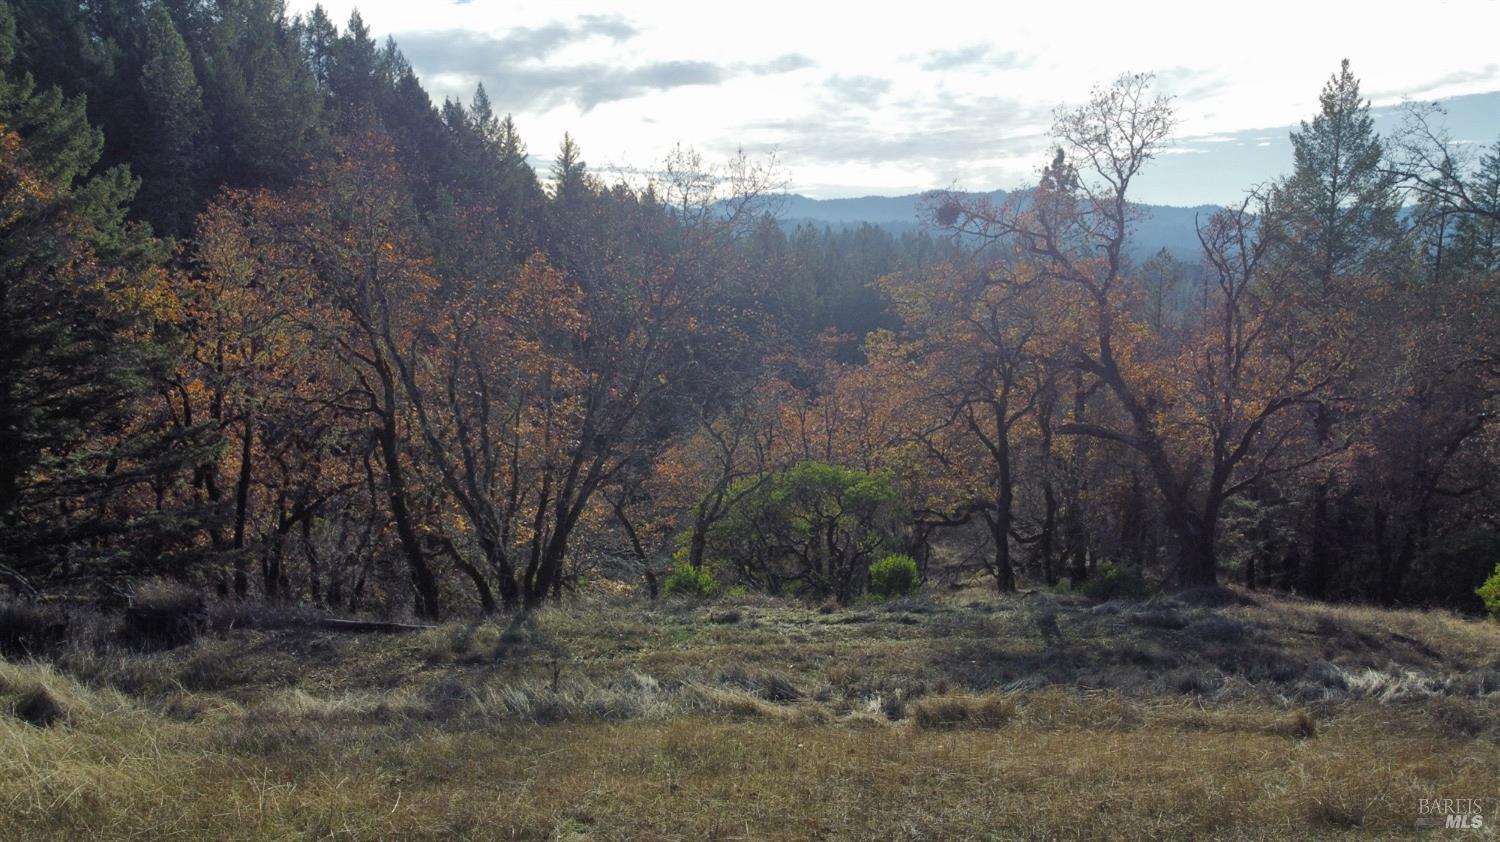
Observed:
{"x":1000,"y":523}
{"x":1077,"y":488}
{"x":1045,"y":537}
{"x":698,"y":543}
{"x":1317,"y":570}
{"x":1197,"y":564}
{"x":314,"y":571}
{"x":242,"y":506}
{"x":428,"y":605}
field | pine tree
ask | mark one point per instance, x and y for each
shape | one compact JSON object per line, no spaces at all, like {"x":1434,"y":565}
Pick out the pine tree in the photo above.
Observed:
{"x":522,"y":198}
{"x":482,"y":118}
{"x":353,"y":67}
{"x":572,"y":217}
{"x":82,"y":296}
{"x":319,"y":39}
{"x":1476,"y":245}
{"x":1337,"y":212}
{"x":170,"y":154}
{"x":262,"y":100}
{"x":568,"y":169}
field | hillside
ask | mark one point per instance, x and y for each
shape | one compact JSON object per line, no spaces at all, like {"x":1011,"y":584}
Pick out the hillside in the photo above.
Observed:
{"x":946,"y":715}
{"x":1162,"y":226}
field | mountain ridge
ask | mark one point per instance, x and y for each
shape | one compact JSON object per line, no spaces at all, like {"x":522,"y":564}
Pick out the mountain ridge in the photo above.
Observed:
{"x":1170,"y":227}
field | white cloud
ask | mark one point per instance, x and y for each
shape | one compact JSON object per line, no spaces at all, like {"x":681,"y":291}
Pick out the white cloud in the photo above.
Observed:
{"x":862,"y":103}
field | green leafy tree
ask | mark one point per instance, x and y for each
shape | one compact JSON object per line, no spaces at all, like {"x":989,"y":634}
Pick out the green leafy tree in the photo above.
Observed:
{"x":812,"y":529}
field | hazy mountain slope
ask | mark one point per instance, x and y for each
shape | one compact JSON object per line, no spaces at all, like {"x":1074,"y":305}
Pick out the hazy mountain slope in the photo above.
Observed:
{"x":1163,"y":226}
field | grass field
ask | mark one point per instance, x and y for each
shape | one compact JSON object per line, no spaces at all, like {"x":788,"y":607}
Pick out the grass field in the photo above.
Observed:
{"x":951,"y":716}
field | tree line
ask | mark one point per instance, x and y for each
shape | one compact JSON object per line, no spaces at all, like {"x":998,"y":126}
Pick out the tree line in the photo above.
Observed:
{"x":280,"y":327}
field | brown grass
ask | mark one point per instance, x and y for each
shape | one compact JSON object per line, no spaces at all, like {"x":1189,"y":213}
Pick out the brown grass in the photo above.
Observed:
{"x":963,"y":711}
{"x":932,"y":719}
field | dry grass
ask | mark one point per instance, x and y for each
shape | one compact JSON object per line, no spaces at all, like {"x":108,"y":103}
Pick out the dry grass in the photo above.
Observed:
{"x":963,"y":711}
{"x":925,"y":719}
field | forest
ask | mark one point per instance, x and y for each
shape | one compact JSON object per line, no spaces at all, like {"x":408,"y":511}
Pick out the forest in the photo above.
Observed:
{"x":362,"y":477}
{"x":280,"y":329}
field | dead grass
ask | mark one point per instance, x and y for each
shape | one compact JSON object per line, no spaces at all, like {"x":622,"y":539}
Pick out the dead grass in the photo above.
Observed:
{"x":934,"y":718}
{"x":691,"y":777}
{"x":962,"y":711}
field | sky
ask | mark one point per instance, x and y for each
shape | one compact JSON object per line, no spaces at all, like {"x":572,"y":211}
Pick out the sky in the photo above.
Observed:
{"x":854,"y":100}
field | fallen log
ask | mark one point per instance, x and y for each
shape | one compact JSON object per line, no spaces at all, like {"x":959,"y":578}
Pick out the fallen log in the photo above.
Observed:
{"x":370,"y":626}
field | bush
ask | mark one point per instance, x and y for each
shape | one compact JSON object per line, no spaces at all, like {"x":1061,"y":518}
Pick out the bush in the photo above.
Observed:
{"x":808,"y":529}
{"x":687,"y":580}
{"x":164,"y":616}
{"x":1113,"y":581}
{"x":1490,"y":593}
{"x":894,"y":575}
{"x":26,"y":630}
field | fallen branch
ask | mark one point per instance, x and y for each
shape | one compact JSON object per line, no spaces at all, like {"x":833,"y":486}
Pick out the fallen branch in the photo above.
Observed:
{"x":18,"y":583}
{"x":370,"y":626}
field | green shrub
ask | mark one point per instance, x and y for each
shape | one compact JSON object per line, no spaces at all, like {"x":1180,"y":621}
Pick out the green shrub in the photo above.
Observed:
{"x":685,"y":579}
{"x":894,"y":575}
{"x":807,"y":530}
{"x":1490,"y":593}
{"x":1114,"y":581}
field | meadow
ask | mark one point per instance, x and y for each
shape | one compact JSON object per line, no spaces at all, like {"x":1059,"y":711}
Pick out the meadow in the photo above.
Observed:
{"x":948,"y":715}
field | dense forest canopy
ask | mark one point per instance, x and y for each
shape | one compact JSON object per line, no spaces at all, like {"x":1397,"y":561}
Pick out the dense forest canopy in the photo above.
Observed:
{"x":277,"y":325}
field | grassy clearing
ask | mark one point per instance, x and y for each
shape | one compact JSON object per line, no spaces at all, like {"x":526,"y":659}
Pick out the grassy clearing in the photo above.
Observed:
{"x":964,"y":716}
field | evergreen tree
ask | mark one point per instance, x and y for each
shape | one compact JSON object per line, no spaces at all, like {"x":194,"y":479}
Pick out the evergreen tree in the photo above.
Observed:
{"x":572,"y":224}
{"x":1337,"y":212}
{"x":262,"y":100}
{"x":170,"y":154}
{"x":569,"y":172}
{"x":84,"y":50}
{"x":1476,"y":244}
{"x":521,"y":198}
{"x":353,"y":65}
{"x":82,"y":296}
{"x":319,"y":40}
{"x":60,"y":141}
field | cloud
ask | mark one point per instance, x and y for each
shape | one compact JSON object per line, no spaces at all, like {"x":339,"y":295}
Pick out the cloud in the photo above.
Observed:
{"x":941,"y":60}
{"x":938,"y":131}
{"x":1191,"y":83}
{"x":783,"y":64}
{"x":526,"y":42}
{"x":1489,"y":73}
{"x":864,"y":91}
{"x":611,"y":84}
{"x":515,"y":70}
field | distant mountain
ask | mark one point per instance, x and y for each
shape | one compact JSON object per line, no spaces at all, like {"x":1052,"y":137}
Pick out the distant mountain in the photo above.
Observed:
{"x":1163,"y":226}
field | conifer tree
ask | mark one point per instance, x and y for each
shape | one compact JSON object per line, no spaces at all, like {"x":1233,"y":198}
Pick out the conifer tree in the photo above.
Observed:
{"x":1337,"y":212}
{"x":83,"y":299}
{"x":1477,"y":238}
{"x":262,"y":101}
{"x":172,"y":129}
